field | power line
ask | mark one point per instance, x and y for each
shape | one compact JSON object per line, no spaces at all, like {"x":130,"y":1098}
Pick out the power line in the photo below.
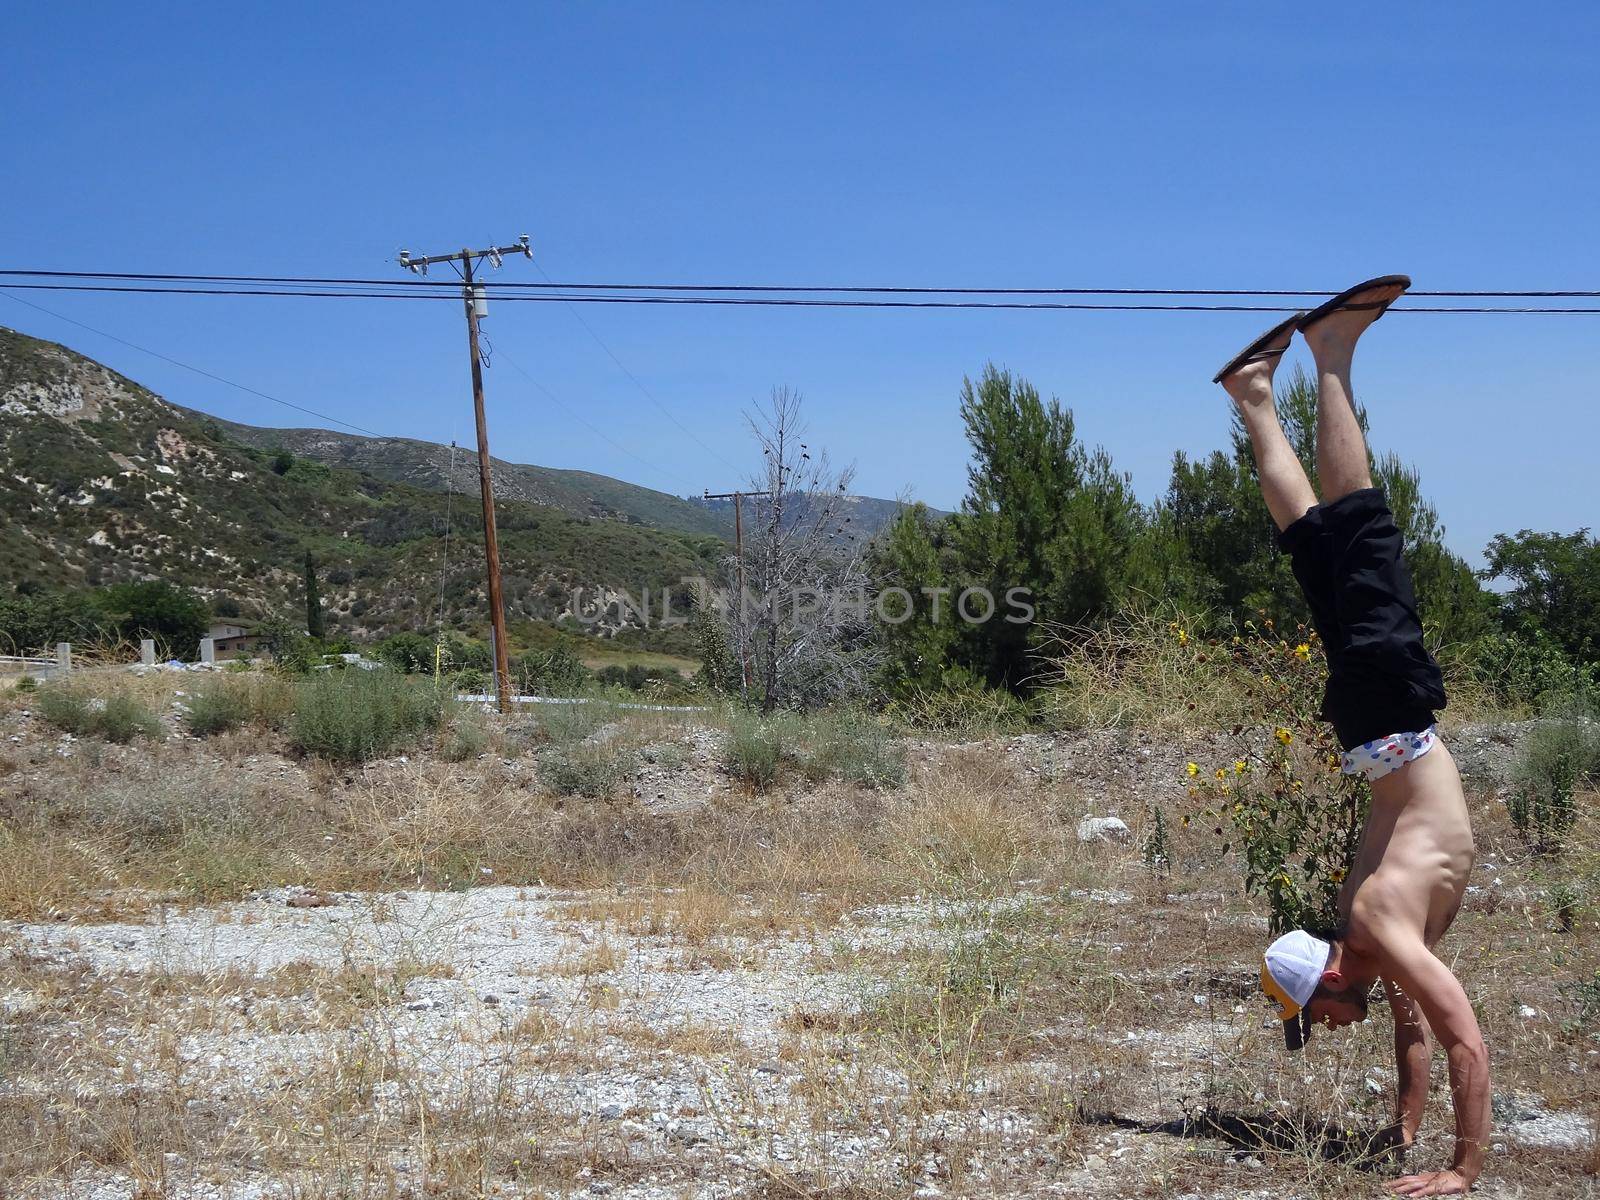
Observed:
{"x":776,"y":302}
{"x":648,"y":394}
{"x":500,"y":352}
{"x":311,"y":412}
{"x":796,"y":289}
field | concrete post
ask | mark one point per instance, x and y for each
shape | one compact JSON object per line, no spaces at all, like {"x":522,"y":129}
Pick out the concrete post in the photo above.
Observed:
{"x":147,"y":652}
{"x":64,"y":656}
{"x":208,"y":650}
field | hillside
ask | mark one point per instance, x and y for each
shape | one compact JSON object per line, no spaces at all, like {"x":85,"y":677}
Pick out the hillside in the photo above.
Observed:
{"x":101,"y":480}
{"x":427,"y":465}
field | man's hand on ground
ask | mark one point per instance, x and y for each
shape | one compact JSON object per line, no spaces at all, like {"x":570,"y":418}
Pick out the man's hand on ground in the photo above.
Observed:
{"x":1430,"y":1183}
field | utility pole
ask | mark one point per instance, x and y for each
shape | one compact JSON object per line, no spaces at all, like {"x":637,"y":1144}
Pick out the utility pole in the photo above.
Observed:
{"x":738,"y":551}
{"x":477,"y":306}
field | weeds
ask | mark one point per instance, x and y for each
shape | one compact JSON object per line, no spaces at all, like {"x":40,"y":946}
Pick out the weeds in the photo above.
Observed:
{"x":120,"y":717}
{"x":848,"y":747}
{"x":596,"y":771}
{"x":466,"y":738}
{"x":68,"y":710}
{"x":216,"y":706}
{"x":354,"y":716}
{"x":1561,"y":755}
{"x":832,"y":746}
{"x":755,"y":746}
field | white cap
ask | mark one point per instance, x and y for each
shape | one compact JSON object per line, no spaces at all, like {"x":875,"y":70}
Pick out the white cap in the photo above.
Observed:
{"x":1289,"y":975}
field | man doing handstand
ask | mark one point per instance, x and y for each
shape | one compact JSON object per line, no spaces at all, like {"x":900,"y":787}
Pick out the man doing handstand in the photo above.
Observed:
{"x":1416,"y":850}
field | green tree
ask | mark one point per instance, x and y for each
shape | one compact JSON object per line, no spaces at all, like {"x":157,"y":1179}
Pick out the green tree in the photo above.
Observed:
{"x":314,"y":622}
{"x":176,"y":618}
{"x":1555,"y":588}
{"x":1042,"y":513}
{"x":35,"y":620}
{"x":919,"y":633}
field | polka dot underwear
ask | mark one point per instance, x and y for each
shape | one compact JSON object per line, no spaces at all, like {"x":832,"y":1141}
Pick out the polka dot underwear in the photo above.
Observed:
{"x":1377,"y":758}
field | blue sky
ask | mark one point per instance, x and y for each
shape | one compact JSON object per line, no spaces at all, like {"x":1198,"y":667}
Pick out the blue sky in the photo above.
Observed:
{"x":1231,"y":145}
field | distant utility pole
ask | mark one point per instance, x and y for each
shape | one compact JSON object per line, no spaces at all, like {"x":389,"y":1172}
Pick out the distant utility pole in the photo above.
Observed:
{"x":477,"y":305}
{"x":738,"y":551}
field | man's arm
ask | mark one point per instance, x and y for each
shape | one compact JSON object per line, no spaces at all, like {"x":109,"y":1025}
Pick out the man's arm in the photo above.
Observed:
{"x":1444,"y":1003}
{"x":1413,"y":1055}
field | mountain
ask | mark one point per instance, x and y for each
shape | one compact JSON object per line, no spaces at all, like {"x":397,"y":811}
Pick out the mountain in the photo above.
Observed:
{"x":581,"y":493}
{"x":101,"y":480}
{"x":428,"y":465}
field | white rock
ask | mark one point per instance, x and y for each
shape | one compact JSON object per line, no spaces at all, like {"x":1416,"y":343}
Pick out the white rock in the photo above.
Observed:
{"x":1103,"y":829}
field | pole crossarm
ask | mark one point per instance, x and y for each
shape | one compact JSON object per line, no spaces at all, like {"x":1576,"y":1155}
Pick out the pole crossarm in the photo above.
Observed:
{"x":419,"y":265}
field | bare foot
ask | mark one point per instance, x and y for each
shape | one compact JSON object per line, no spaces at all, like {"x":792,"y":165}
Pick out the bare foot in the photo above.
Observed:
{"x":1334,"y":336}
{"x":1250,"y":384}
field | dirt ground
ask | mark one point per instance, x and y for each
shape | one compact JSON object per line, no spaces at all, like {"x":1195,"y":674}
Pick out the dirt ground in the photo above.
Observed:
{"x":1010,"y":1012}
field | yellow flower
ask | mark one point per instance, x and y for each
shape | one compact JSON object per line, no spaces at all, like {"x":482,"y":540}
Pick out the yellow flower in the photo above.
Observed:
{"x":1193,"y":769}
{"x":1283,"y":735}
{"x":1303,"y":652}
{"x":1337,"y":875}
{"x":1240,"y":766}
{"x":1221,"y":774}
{"x":1183,"y":637}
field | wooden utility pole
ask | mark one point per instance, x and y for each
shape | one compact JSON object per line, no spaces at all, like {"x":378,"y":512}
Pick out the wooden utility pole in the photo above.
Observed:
{"x":738,"y":551}
{"x":477,"y":305}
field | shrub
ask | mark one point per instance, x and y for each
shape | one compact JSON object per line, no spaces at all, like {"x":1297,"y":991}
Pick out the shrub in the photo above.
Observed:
{"x":857,"y":750}
{"x":120,"y":718}
{"x":563,"y":724}
{"x":65,"y":708}
{"x":1139,"y":670}
{"x":353,"y":716}
{"x":635,"y":677}
{"x":27,"y":684}
{"x":556,"y":671}
{"x":596,"y":771}
{"x":1561,"y":755}
{"x":466,"y":738}
{"x":174,"y":617}
{"x":124,"y":718}
{"x":965,"y":708}
{"x":229,"y":701}
{"x":217,"y":706}
{"x":755,"y":747}
{"x":408,"y":653}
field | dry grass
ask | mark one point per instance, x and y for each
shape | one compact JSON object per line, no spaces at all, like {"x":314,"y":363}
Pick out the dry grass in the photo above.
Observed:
{"x":1013,"y":1008}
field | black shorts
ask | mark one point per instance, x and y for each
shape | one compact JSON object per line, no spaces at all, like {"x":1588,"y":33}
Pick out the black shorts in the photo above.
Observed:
{"x":1348,"y":558}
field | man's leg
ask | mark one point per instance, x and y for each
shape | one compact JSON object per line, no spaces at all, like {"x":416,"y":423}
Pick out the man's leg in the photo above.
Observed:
{"x":1284,"y":484}
{"x":1341,"y":450}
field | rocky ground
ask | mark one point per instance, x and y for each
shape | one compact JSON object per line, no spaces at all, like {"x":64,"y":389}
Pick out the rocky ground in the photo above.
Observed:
{"x":645,"y":1041}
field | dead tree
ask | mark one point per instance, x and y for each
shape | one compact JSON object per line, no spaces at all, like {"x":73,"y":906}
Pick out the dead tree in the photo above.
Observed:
{"x":803,"y":628}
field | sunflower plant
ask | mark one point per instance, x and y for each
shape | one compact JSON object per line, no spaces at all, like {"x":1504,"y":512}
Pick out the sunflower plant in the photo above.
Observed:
{"x":1279,"y":795}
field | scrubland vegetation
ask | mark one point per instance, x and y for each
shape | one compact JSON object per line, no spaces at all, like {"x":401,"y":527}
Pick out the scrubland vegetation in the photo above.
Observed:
{"x":332,"y":929}
{"x":954,"y":990}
